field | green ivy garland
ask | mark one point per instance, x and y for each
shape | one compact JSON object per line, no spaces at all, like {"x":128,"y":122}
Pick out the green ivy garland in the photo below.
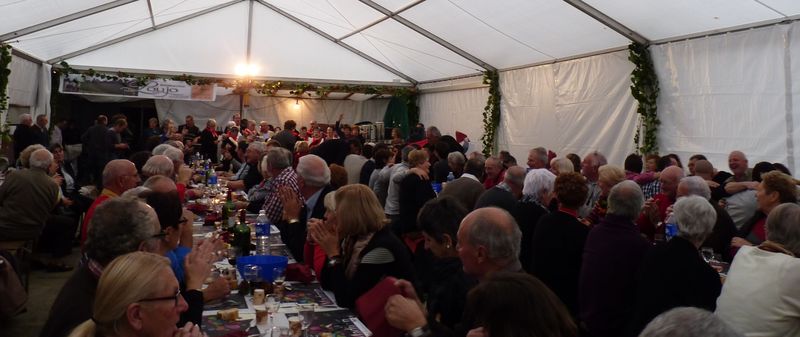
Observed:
{"x":491,"y":113}
{"x":645,"y":90}
{"x":5,"y":72}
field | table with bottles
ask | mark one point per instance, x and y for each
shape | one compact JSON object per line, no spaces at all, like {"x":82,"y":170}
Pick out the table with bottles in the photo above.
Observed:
{"x":278,"y":308}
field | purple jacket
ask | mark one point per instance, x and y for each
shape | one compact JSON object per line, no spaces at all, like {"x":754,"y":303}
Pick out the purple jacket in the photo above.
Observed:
{"x":612,"y":256}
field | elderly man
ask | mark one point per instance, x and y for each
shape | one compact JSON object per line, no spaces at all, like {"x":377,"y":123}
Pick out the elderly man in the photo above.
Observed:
{"x":468,"y":188}
{"x":456,"y":161}
{"x":26,"y":198}
{"x":674,"y":274}
{"x":313,"y":180}
{"x":24,"y":134}
{"x":612,"y":256}
{"x":249,"y":175}
{"x":494,"y":172}
{"x":724,"y":229}
{"x":655,"y":210}
{"x":760,"y":296}
{"x":590,"y":167}
{"x":119,"y":176}
{"x":740,"y":190}
{"x":506,"y":194}
{"x":715,"y":179}
{"x":488,"y":242}
{"x":40,"y":131}
{"x":537,"y":158}
{"x":742,"y":174}
{"x":279,"y":168}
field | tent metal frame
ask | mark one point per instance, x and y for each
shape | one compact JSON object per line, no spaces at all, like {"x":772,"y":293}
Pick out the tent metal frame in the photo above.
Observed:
{"x":429,"y":35}
{"x":382,"y":19}
{"x":64,"y":19}
{"x":334,"y":40}
{"x":141,"y":32}
{"x":608,"y":21}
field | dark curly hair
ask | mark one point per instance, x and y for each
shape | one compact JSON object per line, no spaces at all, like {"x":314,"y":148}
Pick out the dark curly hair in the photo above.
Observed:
{"x":571,"y":189}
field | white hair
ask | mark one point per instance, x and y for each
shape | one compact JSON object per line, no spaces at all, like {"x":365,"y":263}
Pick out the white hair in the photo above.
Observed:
{"x":688,"y":322}
{"x":314,"y":171}
{"x":41,"y":159}
{"x":174,"y":154}
{"x":160,"y":148}
{"x":562,"y":165}
{"x":538,"y":182}
{"x":158,"y":165}
{"x":782,"y":226}
{"x":626,"y":199}
{"x":695,"y":217}
{"x":696,"y":186}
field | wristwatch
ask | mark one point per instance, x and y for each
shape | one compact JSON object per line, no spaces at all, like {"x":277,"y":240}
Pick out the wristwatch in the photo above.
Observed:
{"x":334,"y":260}
{"x":420,"y":331}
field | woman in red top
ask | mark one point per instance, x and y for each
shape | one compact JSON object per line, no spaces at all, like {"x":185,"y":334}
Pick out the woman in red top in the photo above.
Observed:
{"x":775,"y":188}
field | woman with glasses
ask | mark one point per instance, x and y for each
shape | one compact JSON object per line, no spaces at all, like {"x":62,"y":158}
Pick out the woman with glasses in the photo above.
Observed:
{"x":137,"y":295}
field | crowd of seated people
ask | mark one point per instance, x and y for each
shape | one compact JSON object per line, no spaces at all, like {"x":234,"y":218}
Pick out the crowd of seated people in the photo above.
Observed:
{"x":558,"y":246}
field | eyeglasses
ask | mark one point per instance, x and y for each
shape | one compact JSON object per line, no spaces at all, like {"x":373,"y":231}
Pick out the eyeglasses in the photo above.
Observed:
{"x":175,"y":298}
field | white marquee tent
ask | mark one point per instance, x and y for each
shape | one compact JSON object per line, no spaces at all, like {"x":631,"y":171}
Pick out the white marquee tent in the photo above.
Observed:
{"x":726,"y":67}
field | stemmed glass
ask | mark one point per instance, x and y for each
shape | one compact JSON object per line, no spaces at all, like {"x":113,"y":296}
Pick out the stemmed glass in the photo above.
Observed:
{"x":707,"y":253}
{"x":306,"y":313}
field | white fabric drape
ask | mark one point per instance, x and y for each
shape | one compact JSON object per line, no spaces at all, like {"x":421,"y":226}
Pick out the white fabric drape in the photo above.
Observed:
{"x":730,"y":92}
{"x":274,"y":110}
{"x":574,"y":106}
{"x":44,"y":87}
{"x":22,"y":82}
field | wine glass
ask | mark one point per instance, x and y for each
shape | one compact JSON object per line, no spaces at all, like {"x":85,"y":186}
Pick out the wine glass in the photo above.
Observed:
{"x":306,"y":312}
{"x":278,"y":275}
{"x":707,"y":253}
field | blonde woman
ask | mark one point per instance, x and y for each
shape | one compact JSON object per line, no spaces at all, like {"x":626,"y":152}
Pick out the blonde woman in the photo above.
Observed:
{"x":137,"y":295}
{"x":607,"y":176}
{"x":361,"y":250}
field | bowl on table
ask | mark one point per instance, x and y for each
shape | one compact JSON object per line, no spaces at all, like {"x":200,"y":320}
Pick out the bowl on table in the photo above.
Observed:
{"x":266,"y":262}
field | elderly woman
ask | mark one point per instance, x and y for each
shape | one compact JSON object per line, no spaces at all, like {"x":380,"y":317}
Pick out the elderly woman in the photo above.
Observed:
{"x":209,"y":139}
{"x":608,"y":176}
{"x":537,"y":192}
{"x":415,"y":191}
{"x":561,"y":165}
{"x":558,"y":241}
{"x":361,"y":250}
{"x":760,"y":296}
{"x":158,"y":165}
{"x":775,"y":188}
{"x":152,"y":129}
{"x":137,"y":295}
{"x":676,"y":269}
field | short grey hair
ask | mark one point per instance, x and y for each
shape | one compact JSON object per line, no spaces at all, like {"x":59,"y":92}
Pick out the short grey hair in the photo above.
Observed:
{"x":456,"y":158}
{"x":696,"y":186}
{"x":515,"y":175}
{"x":158,"y":165}
{"x":261,"y":147}
{"x":597,"y":159}
{"x":695,"y":217}
{"x":313,"y":170}
{"x":25,"y":155}
{"x":562,"y":165}
{"x":278,"y":158}
{"x":782,"y":226}
{"x":688,"y":322}
{"x":160,"y":148}
{"x":491,"y":232}
{"x":538,"y":182}
{"x":120,"y":226}
{"x":626,"y":199}
{"x":174,"y":154}
{"x":41,"y":159}
{"x":405,"y":151}
{"x":434,"y":131}
{"x":541,"y":153}
{"x":25,"y":118}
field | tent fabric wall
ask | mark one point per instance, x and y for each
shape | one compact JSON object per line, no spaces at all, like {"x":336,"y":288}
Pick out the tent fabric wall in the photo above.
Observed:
{"x":274,"y":110}
{"x":575,"y":106}
{"x":22,"y":82}
{"x":730,"y":92}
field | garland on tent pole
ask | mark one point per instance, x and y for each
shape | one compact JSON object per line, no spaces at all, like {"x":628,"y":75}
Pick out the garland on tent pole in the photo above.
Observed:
{"x":644,"y":89}
{"x":269,"y":88}
{"x":491,"y":113}
{"x":5,"y":72}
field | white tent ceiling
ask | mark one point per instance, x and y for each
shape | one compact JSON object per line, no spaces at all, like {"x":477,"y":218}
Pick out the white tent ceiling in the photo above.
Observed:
{"x":395,"y":42}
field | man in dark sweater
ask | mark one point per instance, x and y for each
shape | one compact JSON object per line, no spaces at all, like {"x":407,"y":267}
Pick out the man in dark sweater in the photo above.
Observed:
{"x":23,"y":134}
{"x":288,"y":136}
{"x":612,"y":257}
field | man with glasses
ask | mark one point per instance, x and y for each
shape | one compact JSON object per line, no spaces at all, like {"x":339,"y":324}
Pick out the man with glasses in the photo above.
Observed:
{"x":119,"y":175}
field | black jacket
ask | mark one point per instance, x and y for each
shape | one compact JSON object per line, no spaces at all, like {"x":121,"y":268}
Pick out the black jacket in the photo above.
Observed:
{"x":414,"y":193}
{"x":527,"y":215}
{"x":294,"y":235}
{"x":447,"y":291}
{"x":674,"y":275}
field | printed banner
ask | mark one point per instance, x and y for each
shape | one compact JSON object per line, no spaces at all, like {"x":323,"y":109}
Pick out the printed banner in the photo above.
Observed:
{"x":128,"y":87}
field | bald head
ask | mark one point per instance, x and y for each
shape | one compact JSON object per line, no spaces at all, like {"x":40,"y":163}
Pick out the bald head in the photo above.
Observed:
{"x":670,"y":177}
{"x":704,"y":169}
{"x":515,"y":177}
{"x":314,"y":171}
{"x":120,"y":175}
{"x":489,"y":240}
{"x":737,"y":162}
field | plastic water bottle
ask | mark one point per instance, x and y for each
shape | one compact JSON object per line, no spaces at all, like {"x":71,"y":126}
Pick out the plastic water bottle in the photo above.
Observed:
{"x":212,"y":178}
{"x":262,"y":233}
{"x":450,"y":177}
{"x":670,"y":227}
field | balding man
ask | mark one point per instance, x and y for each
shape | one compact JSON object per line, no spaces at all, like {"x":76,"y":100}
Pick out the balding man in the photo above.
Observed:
{"x":654,"y":213}
{"x":249,"y":175}
{"x":488,"y":242}
{"x":494,"y":172}
{"x":279,"y":168}
{"x":715,"y":179}
{"x":506,"y":194}
{"x":313,"y":179}
{"x":590,"y":168}
{"x":119,"y":175}
{"x":27,"y":197}
{"x":613,"y":253}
